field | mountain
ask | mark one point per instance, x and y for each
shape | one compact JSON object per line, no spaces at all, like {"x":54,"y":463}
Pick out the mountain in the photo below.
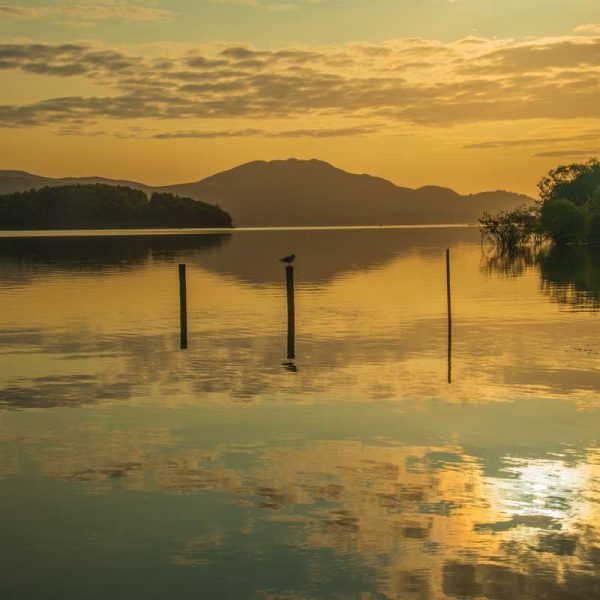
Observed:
{"x":312,"y":192}
{"x":21,"y":181}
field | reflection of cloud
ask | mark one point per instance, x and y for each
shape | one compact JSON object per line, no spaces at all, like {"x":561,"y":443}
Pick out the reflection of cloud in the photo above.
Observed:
{"x":416,"y":517}
{"x":143,"y":460}
{"x":411,"y":515}
{"x":9,"y":465}
{"x":474,"y":80}
{"x":66,"y":390}
{"x":544,"y":488}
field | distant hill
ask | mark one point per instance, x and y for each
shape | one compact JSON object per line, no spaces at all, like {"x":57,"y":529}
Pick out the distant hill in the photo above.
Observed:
{"x":311,"y":192}
{"x":21,"y":181}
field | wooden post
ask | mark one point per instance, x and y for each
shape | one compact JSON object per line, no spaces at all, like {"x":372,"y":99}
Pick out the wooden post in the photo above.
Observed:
{"x":291,"y":340}
{"x":183,"y":307}
{"x":449,"y":297}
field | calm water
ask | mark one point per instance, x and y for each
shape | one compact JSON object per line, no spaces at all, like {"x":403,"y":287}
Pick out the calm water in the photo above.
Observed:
{"x":132,"y":469}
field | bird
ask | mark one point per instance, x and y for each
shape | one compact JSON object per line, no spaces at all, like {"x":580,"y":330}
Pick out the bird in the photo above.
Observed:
{"x":288,"y":259}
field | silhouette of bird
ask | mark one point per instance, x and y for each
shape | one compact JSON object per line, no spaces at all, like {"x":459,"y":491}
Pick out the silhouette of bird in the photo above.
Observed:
{"x":288,"y":259}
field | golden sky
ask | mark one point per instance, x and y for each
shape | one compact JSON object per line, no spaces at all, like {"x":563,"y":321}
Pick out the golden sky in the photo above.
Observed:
{"x":472,"y":94}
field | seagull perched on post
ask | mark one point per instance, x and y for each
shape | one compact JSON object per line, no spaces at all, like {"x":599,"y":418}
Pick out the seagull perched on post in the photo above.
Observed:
{"x":288,"y":259}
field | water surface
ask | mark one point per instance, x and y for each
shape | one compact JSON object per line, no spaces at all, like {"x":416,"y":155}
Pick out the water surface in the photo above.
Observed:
{"x":130,"y":468}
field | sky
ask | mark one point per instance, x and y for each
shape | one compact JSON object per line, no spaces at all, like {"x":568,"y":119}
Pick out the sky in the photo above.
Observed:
{"x":471,"y":94}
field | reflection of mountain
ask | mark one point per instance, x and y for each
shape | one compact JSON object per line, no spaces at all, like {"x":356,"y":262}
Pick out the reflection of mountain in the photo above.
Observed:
{"x":248,"y":256}
{"x":326,"y":254}
{"x":570,"y":273}
{"x":311,"y":192}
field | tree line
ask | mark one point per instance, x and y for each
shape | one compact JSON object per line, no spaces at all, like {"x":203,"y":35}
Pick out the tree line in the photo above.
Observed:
{"x":568,"y":210}
{"x":101,"y":206}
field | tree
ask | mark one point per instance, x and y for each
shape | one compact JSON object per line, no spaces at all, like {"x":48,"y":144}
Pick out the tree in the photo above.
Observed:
{"x":100,"y":206}
{"x":568,"y":210}
{"x":513,"y":228}
{"x":576,"y":182}
{"x":563,"y":221}
{"x":593,"y":209}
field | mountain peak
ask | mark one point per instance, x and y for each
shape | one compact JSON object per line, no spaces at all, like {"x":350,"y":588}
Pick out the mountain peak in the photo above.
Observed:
{"x":302,"y":192}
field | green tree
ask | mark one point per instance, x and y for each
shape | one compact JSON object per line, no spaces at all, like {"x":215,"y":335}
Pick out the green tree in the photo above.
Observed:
{"x":575,"y":182}
{"x":513,"y":228}
{"x":568,"y":210}
{"x":593,"y":210}
{"x":563,"y":221}
{"x":100,"y":206}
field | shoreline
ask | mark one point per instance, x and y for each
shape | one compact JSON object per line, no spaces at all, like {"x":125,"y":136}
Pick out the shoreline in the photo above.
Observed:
{"x":52,"y":233}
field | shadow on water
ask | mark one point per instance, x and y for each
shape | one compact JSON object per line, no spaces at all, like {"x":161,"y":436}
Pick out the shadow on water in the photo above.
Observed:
{"x":509,"y":263}
{"x":248,"y":256}
{"x":97,"y":252}
{"x":569,"y":274}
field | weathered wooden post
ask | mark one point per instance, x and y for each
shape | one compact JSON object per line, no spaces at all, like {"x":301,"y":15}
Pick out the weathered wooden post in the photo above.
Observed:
{"x":449,"y":297}
{"x":291,"y":307}
{"x":183,"y":307}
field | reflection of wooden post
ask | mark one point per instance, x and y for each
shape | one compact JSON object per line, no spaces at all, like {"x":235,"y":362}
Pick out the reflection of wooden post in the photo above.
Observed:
{"x":449,"y":295}
{"x":291,"y":341}
{"x":183,"y":307}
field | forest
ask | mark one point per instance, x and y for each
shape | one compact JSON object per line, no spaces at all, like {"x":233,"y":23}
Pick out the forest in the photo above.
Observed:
{"x":101,"y":206}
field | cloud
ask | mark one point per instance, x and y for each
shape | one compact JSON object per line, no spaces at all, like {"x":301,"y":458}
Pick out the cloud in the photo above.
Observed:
{"x":567,"y":153}
{"x":540,"y":56}
{"x":492,"y":144}
{"x":406,"y":81}
{"x":588,"y":28}
{"x":291,"y":133}
{"x":270,"y":5}
{"x":83,"y":11}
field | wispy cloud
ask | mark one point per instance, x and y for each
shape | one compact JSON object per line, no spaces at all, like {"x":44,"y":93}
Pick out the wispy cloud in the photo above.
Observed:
{"x":289,"y":133}
{"x":407,"y":81}
{"x":588,"y":28}
{"x":88,"y":11}
{"x":539,"y":141}
{"x":270,"y":5}
{"x":568,"y":153}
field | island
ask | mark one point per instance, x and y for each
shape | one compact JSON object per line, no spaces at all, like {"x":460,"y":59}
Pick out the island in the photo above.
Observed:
{"x":102,"y":206}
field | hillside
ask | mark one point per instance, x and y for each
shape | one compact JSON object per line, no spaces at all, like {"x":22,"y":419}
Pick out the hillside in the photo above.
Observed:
{"x":295,"y":192}
{"x":21,"y":181}
{"x":312,"y":192}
